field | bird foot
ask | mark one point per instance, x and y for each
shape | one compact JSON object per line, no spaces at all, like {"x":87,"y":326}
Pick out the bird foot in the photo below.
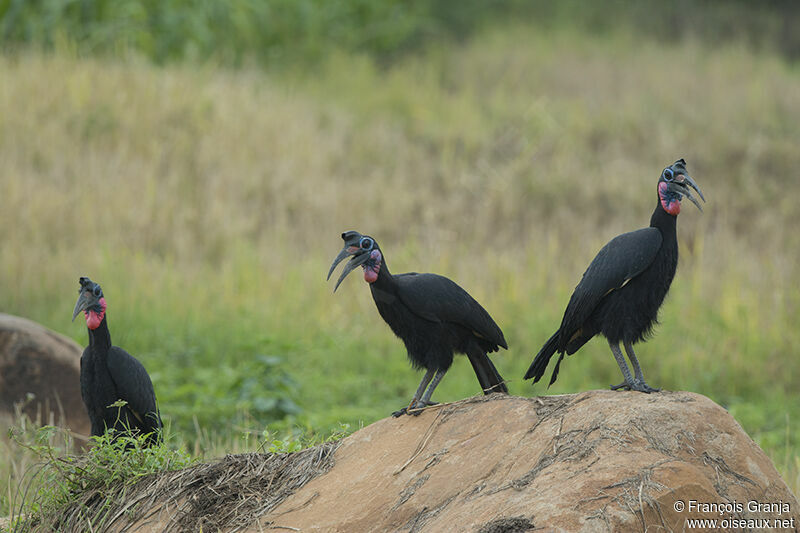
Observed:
{"x":644,"y":387}
{"x":420,"y":406}
{"x":639,"y":386}
{"x":414,"y":408}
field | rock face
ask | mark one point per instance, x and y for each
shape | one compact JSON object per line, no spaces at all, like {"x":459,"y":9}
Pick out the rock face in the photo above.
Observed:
{"x":36,"y":360}
{"x":595,"y":461}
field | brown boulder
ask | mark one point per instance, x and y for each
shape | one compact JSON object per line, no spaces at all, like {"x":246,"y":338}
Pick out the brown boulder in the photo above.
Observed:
{"x":595,"y":461}
{"x":39,"y":362}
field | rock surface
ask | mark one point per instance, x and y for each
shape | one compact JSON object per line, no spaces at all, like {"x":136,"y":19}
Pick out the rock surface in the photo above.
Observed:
{"x":35,"y":360}
{"x":595,"y":461}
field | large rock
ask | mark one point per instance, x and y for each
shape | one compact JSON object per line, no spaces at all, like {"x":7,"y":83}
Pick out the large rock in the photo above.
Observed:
{"x":596,"y":461}
{"x":35,"y":360}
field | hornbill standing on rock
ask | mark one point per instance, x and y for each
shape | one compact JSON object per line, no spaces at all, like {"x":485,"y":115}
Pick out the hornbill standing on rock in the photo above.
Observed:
{"x":109,"y":374}
{"x":621,"y":291}
{"x":431,"y":314}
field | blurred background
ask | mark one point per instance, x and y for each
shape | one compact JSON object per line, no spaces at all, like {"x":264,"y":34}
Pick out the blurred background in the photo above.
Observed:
{"x":200,"y":159}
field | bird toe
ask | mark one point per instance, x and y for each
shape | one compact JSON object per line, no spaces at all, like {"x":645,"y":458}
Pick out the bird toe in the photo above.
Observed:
{"x":641,"y":386}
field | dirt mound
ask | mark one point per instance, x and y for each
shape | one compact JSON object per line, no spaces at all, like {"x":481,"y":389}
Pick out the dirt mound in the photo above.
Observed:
{"x":39,"y":362}
{"x":595,"y":461}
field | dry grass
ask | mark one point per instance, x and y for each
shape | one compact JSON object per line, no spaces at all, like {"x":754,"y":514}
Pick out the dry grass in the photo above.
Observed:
{"x":485,"y":147}
{"x":209,"y":203}
{"x":227,"y":494}
{"x":21,"y":468}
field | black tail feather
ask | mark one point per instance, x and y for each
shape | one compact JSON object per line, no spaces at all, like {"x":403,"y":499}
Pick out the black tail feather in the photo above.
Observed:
{"x":555,"y":370}
{"x":488,"y":376}
{"x":539,"y":364}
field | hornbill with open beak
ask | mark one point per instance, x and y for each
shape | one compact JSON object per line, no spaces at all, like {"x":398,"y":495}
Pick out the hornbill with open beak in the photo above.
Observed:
{"x":621,"y":291}
{"x":432,"y":315}
{"x":109,"y":374}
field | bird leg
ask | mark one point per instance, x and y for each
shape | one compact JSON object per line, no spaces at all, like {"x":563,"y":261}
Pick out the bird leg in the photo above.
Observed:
{"x":426,"y":398}
{"x":637,"y":370}
{"x":417,"y":395}
{"x":628,"y":384}
{"x":418,"y":404}
{"x":631,"y":383}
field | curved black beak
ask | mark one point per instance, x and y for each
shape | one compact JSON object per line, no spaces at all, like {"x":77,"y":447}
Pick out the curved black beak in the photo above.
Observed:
{"x":359,"y":258}
{"x":339,"y":258}
{"x":681,"y":186}
{"x":85,"y":299}
{"x":89,"y":295}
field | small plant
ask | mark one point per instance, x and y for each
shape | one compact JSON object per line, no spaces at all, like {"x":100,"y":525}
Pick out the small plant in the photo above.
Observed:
{"x":89,"y":483}
{"x":301,"y":441}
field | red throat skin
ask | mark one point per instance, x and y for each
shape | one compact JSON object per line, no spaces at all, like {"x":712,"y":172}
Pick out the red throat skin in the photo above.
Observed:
{"x":371,"y":271}
{"x":93,"y":318}
{"x":673,"y":207}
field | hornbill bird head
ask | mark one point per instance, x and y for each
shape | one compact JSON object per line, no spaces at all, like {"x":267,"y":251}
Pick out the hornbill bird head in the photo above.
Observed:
{"x":674,"y":184}
{"x":365,"y":253}
{"x":90,"y":301}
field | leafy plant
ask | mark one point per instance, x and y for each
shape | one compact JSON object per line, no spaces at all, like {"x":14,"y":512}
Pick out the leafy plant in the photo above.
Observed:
{"x":242,"y":390}
{"x":112,"y":463}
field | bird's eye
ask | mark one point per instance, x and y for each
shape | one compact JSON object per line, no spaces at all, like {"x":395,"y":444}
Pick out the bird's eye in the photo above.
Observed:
{"x":668,"y":174}
{"x":97,"y":291}
{"x":366,"y":243}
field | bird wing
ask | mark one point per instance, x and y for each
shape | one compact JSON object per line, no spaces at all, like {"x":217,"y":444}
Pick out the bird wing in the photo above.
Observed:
{"x":134,"y":386}
{"x":438,"y":299}
{"x":622,"y":259}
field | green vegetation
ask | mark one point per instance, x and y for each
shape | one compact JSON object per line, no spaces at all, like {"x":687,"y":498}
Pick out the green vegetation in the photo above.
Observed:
{"x":274,"y":32}
{"x":209,"y":202}
{"x":100,"y":475}
{"x":288,"y":32}
{"x":46,"y":473}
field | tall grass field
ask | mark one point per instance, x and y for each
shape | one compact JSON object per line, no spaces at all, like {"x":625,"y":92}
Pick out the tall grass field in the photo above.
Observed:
{"x":209,"y":202}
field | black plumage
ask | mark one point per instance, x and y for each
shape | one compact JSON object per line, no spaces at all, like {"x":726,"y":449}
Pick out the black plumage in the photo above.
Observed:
{"x":433,"y":316}
{"x":110,"y":374}
{"x":626,"y":283}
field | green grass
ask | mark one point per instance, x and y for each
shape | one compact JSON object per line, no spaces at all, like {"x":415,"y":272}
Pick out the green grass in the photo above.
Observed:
{"x":209,"y":202}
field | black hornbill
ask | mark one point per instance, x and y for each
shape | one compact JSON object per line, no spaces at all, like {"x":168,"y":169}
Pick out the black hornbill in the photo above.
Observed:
{"x":431,"y":314}
{"x":109,"y":374}
{"x":621,"y":291}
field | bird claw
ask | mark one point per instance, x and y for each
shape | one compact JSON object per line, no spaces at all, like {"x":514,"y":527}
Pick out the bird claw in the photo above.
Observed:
{"x":415,"y":408}
{"x":644,"y":387}
{"x":639,"y":386}
{"x":421,"y":406}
